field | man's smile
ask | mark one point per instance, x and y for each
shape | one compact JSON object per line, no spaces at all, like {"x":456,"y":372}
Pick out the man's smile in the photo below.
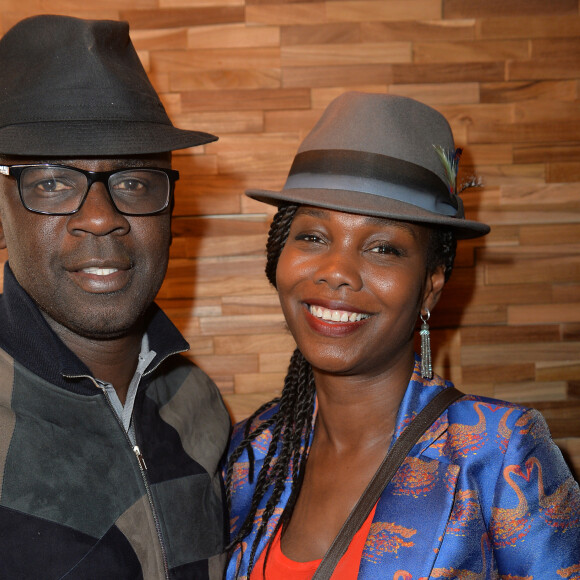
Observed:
{"x":100,"y":277}
{"x":100,"y":271}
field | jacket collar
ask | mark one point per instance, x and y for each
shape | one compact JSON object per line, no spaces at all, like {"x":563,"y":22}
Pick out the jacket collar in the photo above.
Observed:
{"x":26,"y":336}
{"x":418,"y":393}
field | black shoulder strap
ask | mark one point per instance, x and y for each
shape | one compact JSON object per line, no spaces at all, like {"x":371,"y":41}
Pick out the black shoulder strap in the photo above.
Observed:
{"x":391,"y":463}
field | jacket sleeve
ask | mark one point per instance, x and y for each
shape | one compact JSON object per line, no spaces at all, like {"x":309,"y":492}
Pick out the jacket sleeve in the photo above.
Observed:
{"x":535,"y":519}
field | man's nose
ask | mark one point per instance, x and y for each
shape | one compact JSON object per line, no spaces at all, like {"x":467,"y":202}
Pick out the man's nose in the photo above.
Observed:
{"x":98,"y":215}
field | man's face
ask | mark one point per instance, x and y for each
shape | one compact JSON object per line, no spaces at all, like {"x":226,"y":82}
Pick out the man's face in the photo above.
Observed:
{"x":94,"y":272}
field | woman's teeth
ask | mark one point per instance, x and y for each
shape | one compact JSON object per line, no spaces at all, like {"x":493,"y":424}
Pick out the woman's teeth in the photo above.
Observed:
{"x":336,"y":315}
{"x":100,"y":271}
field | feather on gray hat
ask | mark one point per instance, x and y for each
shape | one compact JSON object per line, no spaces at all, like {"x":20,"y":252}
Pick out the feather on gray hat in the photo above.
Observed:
{"x":72,"y":88}
{"x":379,"y":155}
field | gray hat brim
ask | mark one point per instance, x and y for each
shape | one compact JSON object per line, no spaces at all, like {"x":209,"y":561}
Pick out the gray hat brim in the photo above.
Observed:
{"x":366,"y":204}
{"x":96,"y":138}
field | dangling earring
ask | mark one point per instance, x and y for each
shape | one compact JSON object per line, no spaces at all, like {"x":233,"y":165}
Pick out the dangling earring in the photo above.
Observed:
{"x":426,"y":367}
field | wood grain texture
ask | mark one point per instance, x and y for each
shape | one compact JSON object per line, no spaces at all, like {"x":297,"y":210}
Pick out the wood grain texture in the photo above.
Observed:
{"x":258,"y":73}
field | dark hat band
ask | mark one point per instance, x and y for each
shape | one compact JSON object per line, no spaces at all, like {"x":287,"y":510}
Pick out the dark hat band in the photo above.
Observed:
{"x":374,"y":174}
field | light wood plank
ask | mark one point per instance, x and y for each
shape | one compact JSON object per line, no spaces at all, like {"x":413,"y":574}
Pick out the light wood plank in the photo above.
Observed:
{"x":544,"y":313}
{"x":419,"y":30}
{"x":327,"y":55}
{"x":177,"y":17}
{"x":256,"y":344}
{"x":473,"y":51}
{"x":433,"y":95}
{"x":371,"y":10}
{"x":518,"y":91}
{"x":243,"y":324}
{"x":523,"y":353}
{"x":286,"y":15}
{"x":232,"y":36}
{"x":268,"y":100}
{"x":259,"y":383}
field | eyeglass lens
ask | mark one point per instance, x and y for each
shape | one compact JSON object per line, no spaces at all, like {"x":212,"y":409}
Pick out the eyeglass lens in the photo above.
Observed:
{"x":62,"y":190}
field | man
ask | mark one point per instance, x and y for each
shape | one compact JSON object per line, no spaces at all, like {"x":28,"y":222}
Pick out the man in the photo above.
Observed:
{"x":109,"y":439}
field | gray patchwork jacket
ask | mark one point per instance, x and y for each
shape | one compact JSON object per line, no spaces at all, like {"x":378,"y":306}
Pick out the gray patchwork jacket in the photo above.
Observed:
{"x":76,"y":500}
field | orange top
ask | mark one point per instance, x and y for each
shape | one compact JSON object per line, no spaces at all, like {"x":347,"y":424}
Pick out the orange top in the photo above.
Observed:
{"x":279,"y":567}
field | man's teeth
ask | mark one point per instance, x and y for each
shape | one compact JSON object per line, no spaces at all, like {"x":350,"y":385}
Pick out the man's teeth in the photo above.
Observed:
{"x":100,"y":271}
{"x":336,"y":315}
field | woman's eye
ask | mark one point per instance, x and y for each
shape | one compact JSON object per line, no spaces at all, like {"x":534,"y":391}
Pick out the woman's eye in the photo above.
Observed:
{"x":308,"y":238}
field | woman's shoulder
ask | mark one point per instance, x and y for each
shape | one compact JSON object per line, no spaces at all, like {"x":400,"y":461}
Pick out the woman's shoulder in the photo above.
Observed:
{"x":491,"y":410}
{"x":481,"y":425}
{"x":469,"y":400}
{"x":251,"y":424}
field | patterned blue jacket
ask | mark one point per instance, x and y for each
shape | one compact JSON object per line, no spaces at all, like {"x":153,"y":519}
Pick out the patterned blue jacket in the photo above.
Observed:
{"x":484,"y":494}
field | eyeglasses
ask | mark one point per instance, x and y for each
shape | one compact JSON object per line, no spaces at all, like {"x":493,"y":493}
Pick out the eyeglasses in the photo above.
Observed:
{"x":62,"y":190}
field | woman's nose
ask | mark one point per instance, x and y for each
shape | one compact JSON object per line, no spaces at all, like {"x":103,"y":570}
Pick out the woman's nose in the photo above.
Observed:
{"x":339,"y":267}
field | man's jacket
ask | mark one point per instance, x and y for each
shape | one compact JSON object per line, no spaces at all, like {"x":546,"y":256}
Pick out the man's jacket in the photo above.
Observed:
{"x":77,"y":501}
{"x":484,"y":494}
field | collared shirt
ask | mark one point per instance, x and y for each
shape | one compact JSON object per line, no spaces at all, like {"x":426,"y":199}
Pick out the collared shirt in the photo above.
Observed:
{"x":125,"y":412}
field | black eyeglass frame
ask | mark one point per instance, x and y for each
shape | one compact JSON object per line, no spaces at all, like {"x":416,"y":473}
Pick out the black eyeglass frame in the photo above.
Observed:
{"x":103,"y":177}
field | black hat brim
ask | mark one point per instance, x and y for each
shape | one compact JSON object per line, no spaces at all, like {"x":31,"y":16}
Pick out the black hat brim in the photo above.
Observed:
{"x":96,"y":138}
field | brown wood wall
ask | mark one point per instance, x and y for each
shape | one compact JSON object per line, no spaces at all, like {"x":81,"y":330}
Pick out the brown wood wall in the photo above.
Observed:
{"x":259,"y":73}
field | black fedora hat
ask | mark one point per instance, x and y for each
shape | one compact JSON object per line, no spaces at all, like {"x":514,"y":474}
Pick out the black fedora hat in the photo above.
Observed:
{"x":380,"y":155}
{"x":71,"y":87}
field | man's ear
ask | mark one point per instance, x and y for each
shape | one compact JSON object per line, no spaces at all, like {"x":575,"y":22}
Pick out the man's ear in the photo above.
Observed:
{"x":433,"y":288}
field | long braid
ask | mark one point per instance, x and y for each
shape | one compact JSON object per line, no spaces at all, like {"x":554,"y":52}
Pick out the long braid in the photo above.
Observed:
{"x":291,"y":423}
{"x":246,"y":444}
{"x":295,"y":419}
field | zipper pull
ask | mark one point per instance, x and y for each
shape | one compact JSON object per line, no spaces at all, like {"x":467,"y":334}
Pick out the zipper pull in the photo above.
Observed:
{"x":140,"y":458}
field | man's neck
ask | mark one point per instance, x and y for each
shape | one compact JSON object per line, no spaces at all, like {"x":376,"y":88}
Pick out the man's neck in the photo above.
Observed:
{"x":112,"y":360}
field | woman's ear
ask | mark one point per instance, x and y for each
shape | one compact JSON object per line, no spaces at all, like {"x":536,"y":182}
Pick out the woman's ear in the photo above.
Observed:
{"x":433,"y":288}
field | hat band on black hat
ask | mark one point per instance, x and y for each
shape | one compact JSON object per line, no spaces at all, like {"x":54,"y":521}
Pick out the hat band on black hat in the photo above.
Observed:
{"x":374,"y":174}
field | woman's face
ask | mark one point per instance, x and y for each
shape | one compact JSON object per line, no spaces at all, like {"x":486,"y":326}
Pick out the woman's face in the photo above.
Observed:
{"x":351,"y":288}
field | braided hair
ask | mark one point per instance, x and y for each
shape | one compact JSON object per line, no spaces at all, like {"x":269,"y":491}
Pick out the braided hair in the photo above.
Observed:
{"x":291,"y":423}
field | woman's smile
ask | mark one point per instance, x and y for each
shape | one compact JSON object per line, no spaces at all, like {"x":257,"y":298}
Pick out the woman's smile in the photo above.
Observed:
{"x":334,"y":323}
{"x":335,"y":315}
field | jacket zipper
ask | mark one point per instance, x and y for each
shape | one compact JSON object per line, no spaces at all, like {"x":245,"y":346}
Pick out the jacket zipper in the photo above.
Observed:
{"x":143,"y":470}
{"x":139,"y":456}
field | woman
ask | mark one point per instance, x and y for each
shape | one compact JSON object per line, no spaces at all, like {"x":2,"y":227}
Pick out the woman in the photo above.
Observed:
{"x":360,"y":249}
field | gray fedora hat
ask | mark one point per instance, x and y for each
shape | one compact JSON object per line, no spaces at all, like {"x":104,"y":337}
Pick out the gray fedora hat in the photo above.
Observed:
{"x":72,"y":87}
{"x":380,"y":155}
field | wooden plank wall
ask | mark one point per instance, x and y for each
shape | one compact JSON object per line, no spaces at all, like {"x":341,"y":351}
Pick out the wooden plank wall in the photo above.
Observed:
{"x":259,"y":73}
